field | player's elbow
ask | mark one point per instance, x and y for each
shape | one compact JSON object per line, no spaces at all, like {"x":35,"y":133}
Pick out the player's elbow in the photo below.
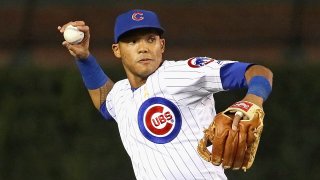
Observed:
{"x":267,"y":72}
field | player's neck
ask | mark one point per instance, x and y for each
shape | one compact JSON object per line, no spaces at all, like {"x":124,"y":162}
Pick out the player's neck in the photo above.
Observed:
{"x":136,"y":82}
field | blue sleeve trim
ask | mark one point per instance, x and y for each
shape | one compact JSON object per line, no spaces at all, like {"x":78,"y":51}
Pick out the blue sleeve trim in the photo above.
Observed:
{"x":104,"y":112}
{"x":233,"y":75}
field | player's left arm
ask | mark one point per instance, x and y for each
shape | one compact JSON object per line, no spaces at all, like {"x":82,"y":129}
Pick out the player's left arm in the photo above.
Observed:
{"x":259,"y":82}
{"x":256,"y":78}
{"x":235,"y":132}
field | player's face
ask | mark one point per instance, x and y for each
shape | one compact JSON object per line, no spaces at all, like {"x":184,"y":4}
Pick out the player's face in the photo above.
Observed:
{"x":141,"y":53}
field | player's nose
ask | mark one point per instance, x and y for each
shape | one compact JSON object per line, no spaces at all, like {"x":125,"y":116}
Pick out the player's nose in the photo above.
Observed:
{"x":142,"y":47}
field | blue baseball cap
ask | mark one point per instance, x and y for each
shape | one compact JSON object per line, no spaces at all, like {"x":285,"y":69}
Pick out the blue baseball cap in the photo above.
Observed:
{"x":136,"y":19}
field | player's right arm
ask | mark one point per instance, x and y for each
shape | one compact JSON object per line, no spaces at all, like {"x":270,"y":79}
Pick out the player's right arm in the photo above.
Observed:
{"x":95,"y":80}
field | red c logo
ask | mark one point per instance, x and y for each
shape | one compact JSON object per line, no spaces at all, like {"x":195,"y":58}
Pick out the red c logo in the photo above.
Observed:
{"x":159,"y":119}
{"x":138,"y":16}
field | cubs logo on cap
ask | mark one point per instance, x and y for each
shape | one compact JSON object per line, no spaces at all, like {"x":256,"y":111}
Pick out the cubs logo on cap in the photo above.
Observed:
{"x":135,"y":19}
{"x":159,"y":120}
{"x":137,"y":16}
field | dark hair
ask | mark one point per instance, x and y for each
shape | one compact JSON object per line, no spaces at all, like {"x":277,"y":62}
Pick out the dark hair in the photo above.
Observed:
{"x":157,"y":31}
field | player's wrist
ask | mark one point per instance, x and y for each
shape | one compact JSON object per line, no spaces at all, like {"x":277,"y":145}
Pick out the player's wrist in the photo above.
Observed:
{"x":92,"y":74}
{"x":257,"y":100}
{"x":83,"y":56}
{"x":259,"y":86}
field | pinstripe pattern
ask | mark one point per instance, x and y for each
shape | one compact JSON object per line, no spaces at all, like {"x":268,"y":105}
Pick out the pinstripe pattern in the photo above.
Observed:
{"x":190,"y":89}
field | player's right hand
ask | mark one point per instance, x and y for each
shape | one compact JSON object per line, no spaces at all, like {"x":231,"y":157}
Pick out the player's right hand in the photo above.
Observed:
{"x":81,"y":50}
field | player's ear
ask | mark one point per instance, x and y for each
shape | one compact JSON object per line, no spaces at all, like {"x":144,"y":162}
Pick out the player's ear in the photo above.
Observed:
{"x":162,"y":45}
{"x":116,"y":50}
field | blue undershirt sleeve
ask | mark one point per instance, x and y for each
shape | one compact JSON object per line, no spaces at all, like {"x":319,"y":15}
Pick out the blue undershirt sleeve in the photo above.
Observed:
{"x":104,"y":112}
{"x":233,"y":75}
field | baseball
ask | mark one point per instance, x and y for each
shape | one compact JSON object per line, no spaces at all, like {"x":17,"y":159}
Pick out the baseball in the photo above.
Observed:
{"x":72,"y":35}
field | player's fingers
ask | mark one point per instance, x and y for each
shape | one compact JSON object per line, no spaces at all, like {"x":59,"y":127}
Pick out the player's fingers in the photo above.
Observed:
{"x":69,"y":46}
{"x":237,"y":117}
{"x":63,"y":27}
{"x":65,"y":44}
{"x":73,"y":23}
{"x":73,"y":49}
{"x":79,"y":23}
{"x":83,"y":28}
{"x":86,"y":31}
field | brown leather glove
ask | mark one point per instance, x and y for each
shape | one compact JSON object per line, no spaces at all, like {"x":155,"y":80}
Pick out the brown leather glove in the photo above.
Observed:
{"x":233,"y":147}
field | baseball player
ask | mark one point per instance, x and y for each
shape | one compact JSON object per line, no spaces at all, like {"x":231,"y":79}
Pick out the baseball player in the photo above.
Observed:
{"x":163,"y":106}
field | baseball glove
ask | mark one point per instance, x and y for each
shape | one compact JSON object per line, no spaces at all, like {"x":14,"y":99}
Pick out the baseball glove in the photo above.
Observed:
{"x":234,"y":147}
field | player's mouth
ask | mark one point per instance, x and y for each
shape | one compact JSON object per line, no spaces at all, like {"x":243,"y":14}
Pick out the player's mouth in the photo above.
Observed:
{"x":145,"y":60}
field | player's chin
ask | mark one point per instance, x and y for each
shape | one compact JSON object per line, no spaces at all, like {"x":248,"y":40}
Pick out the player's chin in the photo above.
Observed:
{"x":148,"y":66}
{"x":146,"y":71}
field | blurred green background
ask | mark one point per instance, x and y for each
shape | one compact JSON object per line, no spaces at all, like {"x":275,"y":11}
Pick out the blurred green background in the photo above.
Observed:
{"x":49,"y":128}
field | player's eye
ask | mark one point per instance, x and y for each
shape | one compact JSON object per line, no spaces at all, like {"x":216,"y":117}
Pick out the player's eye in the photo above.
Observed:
{"x":132,"y":42}
{"x":151,"y":38}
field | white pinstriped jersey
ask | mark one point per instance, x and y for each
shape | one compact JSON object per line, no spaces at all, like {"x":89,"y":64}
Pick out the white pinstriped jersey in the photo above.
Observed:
{"x":161,"y":122}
